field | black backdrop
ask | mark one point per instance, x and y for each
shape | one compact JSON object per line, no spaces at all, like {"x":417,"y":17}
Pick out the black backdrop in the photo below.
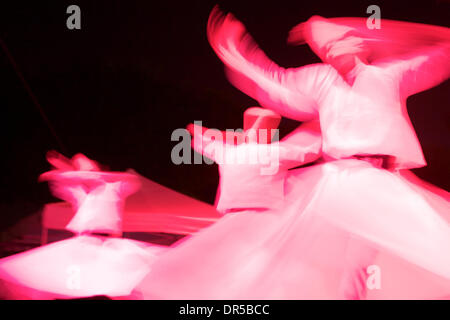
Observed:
{"x":116,"y":89}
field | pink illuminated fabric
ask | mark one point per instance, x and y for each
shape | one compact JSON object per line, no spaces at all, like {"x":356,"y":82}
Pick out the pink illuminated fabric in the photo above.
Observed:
{"x":352,"y":35}
{"x":82,"y":266}
{"x":153,"y":208}
{"x":366,"y":117}
{"x":372,"y":212}
{"x":97,"y":196}
{"x":317,"y":246}
{"x":323,"y":225}
{"x":252,"y":174}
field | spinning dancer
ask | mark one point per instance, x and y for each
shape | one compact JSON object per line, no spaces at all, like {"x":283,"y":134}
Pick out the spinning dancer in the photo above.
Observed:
{"x":265,"y":162}
{"x":85,"y":265}
{"x":359,"y":95}
{"x":235,"y":257}
{"x":97,"y":196}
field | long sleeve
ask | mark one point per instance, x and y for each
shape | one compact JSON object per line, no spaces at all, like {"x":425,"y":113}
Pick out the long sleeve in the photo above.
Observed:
{"x":301,"y":146}
{"x":292,"y":92}
{"x":422,"y":69}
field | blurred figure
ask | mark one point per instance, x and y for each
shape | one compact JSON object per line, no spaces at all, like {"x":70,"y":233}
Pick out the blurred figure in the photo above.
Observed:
{"x":97,"y":196}
{"x":253,"y":167}
{"x":243,"y":255}
{"x":358,"y":93}
{"x":87,"y":264}
{"x":359,"y":96}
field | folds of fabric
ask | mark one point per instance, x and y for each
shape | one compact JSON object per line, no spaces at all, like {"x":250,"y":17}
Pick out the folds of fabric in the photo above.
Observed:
{"x":98,"y":197}
{"x":340,"y":219}
{"x":386,"y":209}
{"x":255,"y":255}
{"x":393,"y":38}
{"x":236,"y":259}
{"x":354,"y":119}
{"x":82,"y":266}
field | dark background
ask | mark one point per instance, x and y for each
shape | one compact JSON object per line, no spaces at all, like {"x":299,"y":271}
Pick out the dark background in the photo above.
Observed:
{"x":116,"y":89}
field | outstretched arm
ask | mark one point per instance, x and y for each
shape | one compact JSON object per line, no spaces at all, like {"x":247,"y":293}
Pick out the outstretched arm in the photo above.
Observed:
{"x":415,"y":54}
{"x":301,"y":146}
{"x":292,"y":93}
{"x":78,"y":162}
{"x":425,"y":58}
{"x":421,"y":69}
{"x":205,"y":141}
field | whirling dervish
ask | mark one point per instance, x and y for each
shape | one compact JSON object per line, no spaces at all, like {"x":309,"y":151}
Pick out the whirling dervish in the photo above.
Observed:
{"x":91,"y":263}
{"x":241,"y":255}
{"x":257,"y":152}
{"x":286,"y":232}
{"x":359,"y":96}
